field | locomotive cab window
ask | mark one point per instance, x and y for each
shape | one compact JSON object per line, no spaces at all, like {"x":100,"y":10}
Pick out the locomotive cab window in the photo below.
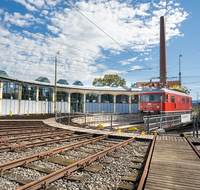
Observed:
{"x":155,"y":98}
{"x":172,"y":99}
{"x":183,"y":100}
{"x":144,"y":98}
{"x":187,"y":100}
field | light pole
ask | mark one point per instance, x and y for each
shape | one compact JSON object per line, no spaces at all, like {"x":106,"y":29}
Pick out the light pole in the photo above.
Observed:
{"x":55,"y":98}
{"x":180,"y":69}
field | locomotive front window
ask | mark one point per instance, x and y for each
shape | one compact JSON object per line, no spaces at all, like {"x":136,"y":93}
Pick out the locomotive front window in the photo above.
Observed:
{"x":187,"y":100}
{"x":144,"y":98}
{"x":183,"y":100}
{"x":155,"y":98}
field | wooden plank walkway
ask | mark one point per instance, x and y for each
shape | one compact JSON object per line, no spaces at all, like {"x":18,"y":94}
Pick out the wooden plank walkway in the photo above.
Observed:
{"x":174,"y":165}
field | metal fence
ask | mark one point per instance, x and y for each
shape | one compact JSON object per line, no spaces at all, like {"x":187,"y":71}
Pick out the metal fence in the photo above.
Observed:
{"x":105,"y":121}
{"x":164,"y":121}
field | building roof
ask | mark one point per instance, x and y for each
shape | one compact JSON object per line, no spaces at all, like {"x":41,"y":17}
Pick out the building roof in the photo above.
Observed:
{"x":78,"y":82}
{"x":43,"y":79}
{"x":98,"y":84}
{"x":63,"y":81}
{"x":113,"y":85}
{"x":3,"y":74}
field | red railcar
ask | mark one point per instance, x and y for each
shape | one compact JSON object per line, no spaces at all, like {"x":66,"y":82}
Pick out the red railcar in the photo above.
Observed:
{"x":172,"y":100}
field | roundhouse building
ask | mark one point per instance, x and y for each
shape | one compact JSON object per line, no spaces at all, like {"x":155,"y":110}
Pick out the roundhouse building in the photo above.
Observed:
{"x":36,"y":97}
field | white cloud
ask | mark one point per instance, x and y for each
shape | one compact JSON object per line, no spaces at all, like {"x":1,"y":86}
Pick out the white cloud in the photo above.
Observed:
{"x":37,"y":3}
{"x":135,"y":67}
{"x":21,"y":20}
{"x":171,"y":2}
{"x":176,"y":4}
{"x":148,"y":58}
{"x":114,"y":52}
{"x":135,"y":28}
{"x":44,"y":12}
{"x":1,"y":11}
{"x":27,"y":5}
{"x":53,"y":29}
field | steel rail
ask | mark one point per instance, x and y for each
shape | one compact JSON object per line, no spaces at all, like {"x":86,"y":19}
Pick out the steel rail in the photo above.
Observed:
{"x":32,"y":132}
{"x":22,"y":127}
{"x":18,"y":139}
{"x":193,"y":147}
{"x":146,"y":168}
{"x":66,"y":171}
{"x":49,"y":153}
{"x":31,"y":129}
{"x":40,"y":143}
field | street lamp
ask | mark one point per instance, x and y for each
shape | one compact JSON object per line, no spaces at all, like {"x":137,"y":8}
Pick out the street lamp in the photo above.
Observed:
{"x":180,"y":69}
{"x":55,"y":98}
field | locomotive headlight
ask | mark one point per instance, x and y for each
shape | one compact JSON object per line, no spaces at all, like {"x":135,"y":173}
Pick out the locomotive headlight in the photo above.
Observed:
{"x":141,"y":106}
{"x":157,"y":106}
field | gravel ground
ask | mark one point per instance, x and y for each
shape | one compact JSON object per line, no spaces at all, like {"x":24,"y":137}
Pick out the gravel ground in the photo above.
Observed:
{"x":9,"y":156}
{"x":109,"y":177}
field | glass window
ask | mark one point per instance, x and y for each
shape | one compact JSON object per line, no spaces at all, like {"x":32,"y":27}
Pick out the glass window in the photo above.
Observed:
{"x":155,"y":98}
{"x":123,"y":99}
{"x":107,"y":98}
{"x":28,"y":92}
{"x":172,"y":99}
{"x":62,"y":96}
{"x":45,"y":94}
{"x":10,"y":90}
{"x":92,"y":98}
{"x":134,"y":99}
{"x":187,"y":100}
{"x":144,"y":98}
{"x":183,"y":100}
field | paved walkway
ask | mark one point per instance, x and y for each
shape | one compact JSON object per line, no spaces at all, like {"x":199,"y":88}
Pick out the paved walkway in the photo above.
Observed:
{"x":51,"y":122}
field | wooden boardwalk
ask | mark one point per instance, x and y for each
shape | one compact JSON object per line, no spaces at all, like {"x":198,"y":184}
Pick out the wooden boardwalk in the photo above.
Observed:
{"x":174,"y":165}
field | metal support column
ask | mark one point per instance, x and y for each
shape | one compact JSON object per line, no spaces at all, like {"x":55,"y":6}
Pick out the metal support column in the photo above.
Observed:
{"x":111,"y":123}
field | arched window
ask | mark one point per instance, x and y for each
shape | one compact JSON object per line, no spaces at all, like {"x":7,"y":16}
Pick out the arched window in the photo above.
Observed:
{"x":92,"y":98}
{"x":107,"y":98}
{"x":62,"y":96}
{"x":123,"y":99}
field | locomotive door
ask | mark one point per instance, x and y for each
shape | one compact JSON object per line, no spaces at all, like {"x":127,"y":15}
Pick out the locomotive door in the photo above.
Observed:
{"x":169,"y":103}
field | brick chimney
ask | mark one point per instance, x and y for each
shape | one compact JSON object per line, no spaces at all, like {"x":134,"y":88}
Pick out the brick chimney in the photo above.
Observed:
{"x":163,"y":59}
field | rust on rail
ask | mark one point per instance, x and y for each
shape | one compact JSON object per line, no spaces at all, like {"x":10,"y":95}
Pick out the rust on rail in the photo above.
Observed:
{"x":46,"y":180}
{"x":194,"y":148}
{"x":146,"y":168}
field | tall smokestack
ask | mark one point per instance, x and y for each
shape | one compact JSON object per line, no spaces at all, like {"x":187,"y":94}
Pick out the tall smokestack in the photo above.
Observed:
{"x":163,"y":60}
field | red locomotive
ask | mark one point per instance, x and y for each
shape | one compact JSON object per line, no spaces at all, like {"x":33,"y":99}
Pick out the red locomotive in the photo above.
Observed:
{"x":173,"y":100}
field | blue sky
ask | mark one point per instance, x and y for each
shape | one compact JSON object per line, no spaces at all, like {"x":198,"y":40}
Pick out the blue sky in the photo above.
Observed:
{"x":40,"y":28}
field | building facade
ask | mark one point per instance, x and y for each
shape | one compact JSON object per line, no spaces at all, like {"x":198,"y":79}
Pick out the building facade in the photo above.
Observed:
{"x":37,"y":97}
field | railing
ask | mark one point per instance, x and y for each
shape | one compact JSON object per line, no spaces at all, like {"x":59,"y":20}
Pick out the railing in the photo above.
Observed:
{"x":165,"y":121}
{"x":105,"y":121}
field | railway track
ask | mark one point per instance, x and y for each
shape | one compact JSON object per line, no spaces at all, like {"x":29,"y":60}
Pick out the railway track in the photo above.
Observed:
{"x":72,"y":161}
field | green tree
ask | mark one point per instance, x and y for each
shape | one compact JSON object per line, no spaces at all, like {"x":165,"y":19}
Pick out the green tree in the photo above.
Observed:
{"x":109,"y":79}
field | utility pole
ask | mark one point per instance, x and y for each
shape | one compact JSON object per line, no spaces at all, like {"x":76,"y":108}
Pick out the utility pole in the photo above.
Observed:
{"x":197,"y":101}
{"x":180,"y":69}
{"x":55,"y":98}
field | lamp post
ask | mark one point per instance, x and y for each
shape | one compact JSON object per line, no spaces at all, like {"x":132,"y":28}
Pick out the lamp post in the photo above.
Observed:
{"x":180,"y":69}
{"x":55,"y":98}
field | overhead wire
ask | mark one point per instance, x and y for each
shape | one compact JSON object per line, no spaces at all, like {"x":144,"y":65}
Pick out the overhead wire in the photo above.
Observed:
{"x":105,"y":33}
{"x":78,"y":49}
{"x":185,"y":59}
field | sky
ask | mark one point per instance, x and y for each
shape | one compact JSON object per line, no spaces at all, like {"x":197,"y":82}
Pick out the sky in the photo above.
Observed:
{"x":98,"y":37}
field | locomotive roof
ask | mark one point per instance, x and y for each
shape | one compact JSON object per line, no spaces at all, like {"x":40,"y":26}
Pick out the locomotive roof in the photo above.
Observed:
{"x":157,"y":90}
